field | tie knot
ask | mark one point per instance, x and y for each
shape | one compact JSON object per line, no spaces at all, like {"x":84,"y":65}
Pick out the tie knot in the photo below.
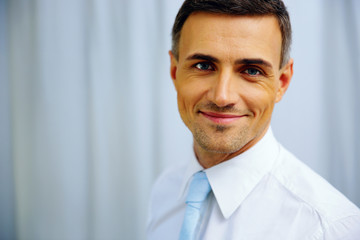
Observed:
{"x":199,"y":188}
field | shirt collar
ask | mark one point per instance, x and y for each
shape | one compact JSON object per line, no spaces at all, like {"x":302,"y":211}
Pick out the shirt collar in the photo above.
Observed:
{"x":231,"y":181}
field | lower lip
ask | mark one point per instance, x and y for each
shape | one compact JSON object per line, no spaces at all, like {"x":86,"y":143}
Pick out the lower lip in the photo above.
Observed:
{"x":221,"y":120}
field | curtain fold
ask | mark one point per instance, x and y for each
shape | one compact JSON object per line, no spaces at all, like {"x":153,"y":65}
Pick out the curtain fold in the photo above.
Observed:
{"x":7,"y":211}
{"x":342,"y":68}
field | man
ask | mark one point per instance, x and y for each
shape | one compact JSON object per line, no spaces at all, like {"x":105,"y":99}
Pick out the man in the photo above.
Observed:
{"x":230,"y":64}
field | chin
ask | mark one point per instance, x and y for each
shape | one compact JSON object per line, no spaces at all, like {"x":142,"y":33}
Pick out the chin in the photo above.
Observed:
{"x":220,"y":145}
{"x":220,"y":141}
{"x":224,"y":148}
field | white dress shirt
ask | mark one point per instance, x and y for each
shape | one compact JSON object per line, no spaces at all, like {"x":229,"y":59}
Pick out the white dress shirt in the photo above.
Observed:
{"x":264,"y":193}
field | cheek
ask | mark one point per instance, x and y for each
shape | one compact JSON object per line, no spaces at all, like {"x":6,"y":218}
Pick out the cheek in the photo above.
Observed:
{"x":186,"y":99}
{"x":189,"y":93}
{"x":260,"y":99}
{"x":182,"y":105}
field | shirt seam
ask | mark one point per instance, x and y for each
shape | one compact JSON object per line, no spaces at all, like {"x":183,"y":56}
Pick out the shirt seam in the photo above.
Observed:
{"x":323,"y":224}
{"x":289,"y":188}
{"x":328,"y":226}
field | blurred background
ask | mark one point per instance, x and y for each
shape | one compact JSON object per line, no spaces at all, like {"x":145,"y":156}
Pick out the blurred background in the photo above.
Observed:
{"x":88,"y":114}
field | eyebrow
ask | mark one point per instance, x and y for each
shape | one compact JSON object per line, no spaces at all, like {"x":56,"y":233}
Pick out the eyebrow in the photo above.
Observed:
{"x":243,"y":61}
{"x":253,"y":61}
{"x":199,"y":56}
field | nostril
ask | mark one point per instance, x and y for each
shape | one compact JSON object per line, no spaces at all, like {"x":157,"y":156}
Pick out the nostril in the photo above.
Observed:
{"x":222,"y":99}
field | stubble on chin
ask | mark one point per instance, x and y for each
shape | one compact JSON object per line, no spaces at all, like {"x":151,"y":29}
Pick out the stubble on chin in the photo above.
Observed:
{"x":220,"y":129}
{"x":220,"y":139}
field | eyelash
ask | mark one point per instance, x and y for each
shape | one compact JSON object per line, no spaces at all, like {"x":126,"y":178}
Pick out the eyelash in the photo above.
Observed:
{"x":205,"y":63}
{"x":253,"y":68}
{"x":241,"y":70}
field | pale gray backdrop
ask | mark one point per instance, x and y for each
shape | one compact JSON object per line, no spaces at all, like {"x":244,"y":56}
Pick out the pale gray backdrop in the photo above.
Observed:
{"x":88,"y":114}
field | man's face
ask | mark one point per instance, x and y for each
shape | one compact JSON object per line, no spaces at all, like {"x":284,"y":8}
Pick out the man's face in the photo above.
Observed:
{"x":228,"y":79}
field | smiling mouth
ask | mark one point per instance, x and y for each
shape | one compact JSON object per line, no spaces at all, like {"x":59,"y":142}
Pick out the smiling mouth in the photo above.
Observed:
{"x":221,"y":118}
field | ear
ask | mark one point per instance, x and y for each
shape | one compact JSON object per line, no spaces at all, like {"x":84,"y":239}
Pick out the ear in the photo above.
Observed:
{"x":286,"y":74}
{"x":173,"y":66}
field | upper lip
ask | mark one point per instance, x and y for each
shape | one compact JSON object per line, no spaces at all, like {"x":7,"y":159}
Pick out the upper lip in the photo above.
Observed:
{"x":221,"y":115}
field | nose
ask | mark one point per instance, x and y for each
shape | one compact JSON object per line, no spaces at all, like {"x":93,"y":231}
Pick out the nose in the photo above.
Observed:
{"x":223,"y":92}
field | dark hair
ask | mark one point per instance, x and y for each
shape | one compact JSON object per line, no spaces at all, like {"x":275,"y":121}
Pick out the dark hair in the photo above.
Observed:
{"x":236,"y":7}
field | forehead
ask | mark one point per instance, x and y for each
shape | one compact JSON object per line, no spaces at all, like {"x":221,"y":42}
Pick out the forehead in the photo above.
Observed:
{"x":231,"y":36}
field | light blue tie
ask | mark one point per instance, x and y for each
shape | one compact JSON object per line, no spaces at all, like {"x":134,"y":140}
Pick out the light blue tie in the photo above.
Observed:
{"x":198,"y":191}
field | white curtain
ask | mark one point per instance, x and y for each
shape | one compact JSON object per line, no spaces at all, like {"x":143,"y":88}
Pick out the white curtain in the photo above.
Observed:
{"x":319,"y":117}
{"x":88,"y":114}
{"x":342,"y":62}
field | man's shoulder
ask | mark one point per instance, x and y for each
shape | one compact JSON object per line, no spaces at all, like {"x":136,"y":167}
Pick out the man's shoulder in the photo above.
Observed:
{"x":312,"y":189}
{"x":165,"y":194}
{"x":168,"y":184}
{"x":171,"y":176}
